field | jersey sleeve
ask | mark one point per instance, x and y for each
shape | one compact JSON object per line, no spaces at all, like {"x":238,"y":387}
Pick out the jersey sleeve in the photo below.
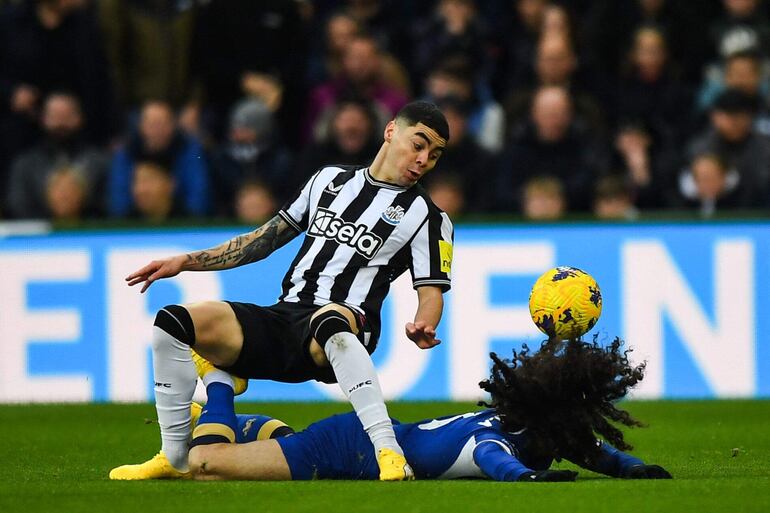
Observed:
{"x":296,"y":211}
{"x":431,"y":252}
{"x":495,"y":457}
{"x":611,"y":462}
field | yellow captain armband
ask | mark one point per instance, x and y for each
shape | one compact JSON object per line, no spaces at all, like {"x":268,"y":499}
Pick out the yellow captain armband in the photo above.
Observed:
{"x":445,"y":252}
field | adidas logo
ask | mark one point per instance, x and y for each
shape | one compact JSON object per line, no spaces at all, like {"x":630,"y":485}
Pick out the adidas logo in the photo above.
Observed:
{"x":334,"y":189}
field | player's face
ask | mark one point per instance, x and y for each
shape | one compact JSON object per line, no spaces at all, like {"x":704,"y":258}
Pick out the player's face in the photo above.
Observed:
{"x":414,"y":150}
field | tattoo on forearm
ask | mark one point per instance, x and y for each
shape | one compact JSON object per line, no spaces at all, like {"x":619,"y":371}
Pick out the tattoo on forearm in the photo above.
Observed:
{"x":244,"y":249}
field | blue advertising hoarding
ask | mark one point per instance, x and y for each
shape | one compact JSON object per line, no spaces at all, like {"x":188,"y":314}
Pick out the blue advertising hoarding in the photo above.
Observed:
{"x":687,"y":297}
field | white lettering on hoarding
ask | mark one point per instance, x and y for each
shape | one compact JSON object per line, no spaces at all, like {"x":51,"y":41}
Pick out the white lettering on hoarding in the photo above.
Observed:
{"x":474,"y":322}
{"x":723,"y":350}
{"x":20,"y":325}
{"x":129,"y":329}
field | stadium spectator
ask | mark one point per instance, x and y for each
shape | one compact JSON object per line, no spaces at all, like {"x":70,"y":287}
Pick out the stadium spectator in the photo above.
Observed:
{"x":613,"y":199}
{"x":62,"y":145}
{"x":325,"y":61}
{"x":66,"y":195}
{"x":732,"y":135}
{"x":362,"y":76}
{"x":253,"y":151}
{"x":650,"y":163}
{"x":447,"y":193}
{"x":742,"y":25}
{"x":558,"y":20}
{"x":608,"y":28}
{"x":380,"y":19}
{"x":152,"y":191}
{"x":149,"y":45}
{"x":543,"y":199}
{"x":709,"y":185}
{"x":551,"y":142}
{"x":516,"y":35}
{"x":46,"y":46}
{"x":254,"y":203}
{"x":745,"y":71}
{"x":650,"y":90}
{"x":246,"y":47}
{"x":554,"y":403}
{"x":158,"y":139}
{"x":486,"y":120}
{"x":350,"y":136}
{"x":463,"y":160}
{"x":556,"y":64}
{"x":338,"y":32}
{"x":453,"y":30}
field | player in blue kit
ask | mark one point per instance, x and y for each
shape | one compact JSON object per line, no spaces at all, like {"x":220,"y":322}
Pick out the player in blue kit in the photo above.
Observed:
{"x":545,"y":406}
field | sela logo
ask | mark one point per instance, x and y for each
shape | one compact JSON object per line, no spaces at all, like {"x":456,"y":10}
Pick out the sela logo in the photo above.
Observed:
{"x":393,"y":214}
{"x":326,"y":224}
{"x":334,"y":189}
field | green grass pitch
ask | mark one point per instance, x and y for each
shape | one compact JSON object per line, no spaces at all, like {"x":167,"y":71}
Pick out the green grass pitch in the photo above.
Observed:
{"x":56,"y":458}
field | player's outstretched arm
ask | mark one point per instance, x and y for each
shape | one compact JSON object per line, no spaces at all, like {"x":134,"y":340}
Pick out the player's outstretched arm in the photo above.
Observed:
{"x":240,"y":250}
{"x":499,"y":464}
{"x":615,"y":463}
{"x":430,"y":305}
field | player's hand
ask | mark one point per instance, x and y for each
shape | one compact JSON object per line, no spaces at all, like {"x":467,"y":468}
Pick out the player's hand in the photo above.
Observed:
{"x":422,"y":334}
{"x":156,"y":270}
{"x":550,"y":476}
{"x":647,"y":472}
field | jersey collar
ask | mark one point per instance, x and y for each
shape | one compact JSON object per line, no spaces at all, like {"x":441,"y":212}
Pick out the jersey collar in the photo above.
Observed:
{"x":379,"y":183}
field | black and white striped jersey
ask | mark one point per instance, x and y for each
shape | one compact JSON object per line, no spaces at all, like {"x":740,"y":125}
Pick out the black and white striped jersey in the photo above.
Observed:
{"x":361,"y":234}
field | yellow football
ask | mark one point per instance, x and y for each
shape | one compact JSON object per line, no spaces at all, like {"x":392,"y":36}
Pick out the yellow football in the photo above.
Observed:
{"x":565,"y":303}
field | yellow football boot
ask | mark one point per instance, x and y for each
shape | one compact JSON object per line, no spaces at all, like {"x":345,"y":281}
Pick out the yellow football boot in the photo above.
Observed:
{"x":393,"y":466}
{"x":195,"y":414}
{"x":203,"y":367}
{"x":156,"y":468}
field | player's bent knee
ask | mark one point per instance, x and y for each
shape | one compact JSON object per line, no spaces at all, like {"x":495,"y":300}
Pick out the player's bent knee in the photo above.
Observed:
{"x":327,"y":323}
{"x":203,"y":461}
{"x":176,"y":321}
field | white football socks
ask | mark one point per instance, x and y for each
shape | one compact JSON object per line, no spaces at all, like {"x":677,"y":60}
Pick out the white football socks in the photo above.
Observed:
{"x":175,"y":380}
{"x":356,"y":376}
{"x":218,"y":376}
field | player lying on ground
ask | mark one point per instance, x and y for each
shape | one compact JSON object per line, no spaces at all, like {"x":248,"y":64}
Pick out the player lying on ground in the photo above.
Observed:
{"x":547,"y":405}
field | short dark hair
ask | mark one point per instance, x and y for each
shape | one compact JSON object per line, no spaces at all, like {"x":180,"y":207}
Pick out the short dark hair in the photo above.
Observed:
{"x":426,"y":113}
{"x":733,"y":101}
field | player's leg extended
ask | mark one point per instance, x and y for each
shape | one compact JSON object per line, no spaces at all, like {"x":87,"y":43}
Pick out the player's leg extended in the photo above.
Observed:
{"x":333,"y":328}
{"x":253,"y":427}
{"x":221,"y":340}
{"x":261,"y":460}
{"x":177,"y":329}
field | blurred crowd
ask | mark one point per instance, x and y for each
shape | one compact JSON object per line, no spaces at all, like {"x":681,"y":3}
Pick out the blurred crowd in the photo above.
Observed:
{"x":159,"y":109}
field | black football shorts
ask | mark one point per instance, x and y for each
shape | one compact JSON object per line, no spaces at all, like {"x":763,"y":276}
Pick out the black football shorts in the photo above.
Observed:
{"x":276,"y":341}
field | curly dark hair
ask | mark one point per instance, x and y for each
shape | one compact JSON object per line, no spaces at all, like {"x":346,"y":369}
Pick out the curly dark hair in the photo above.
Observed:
{"x":564,"y":395}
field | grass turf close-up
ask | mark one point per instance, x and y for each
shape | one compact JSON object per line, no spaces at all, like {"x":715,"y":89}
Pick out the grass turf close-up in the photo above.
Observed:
{"x":57,"y":457}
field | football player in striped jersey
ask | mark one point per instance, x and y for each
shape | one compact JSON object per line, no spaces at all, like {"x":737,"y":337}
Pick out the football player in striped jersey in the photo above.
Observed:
{"x":363,"y":226}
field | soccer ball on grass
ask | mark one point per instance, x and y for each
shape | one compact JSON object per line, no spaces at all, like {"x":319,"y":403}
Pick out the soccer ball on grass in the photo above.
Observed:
{"x":565,"y":303}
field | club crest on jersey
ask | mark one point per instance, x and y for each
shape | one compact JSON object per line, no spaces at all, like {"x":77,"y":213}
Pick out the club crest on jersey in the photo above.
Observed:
{"x":393,"y":214}
{"x":326,"y":224}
